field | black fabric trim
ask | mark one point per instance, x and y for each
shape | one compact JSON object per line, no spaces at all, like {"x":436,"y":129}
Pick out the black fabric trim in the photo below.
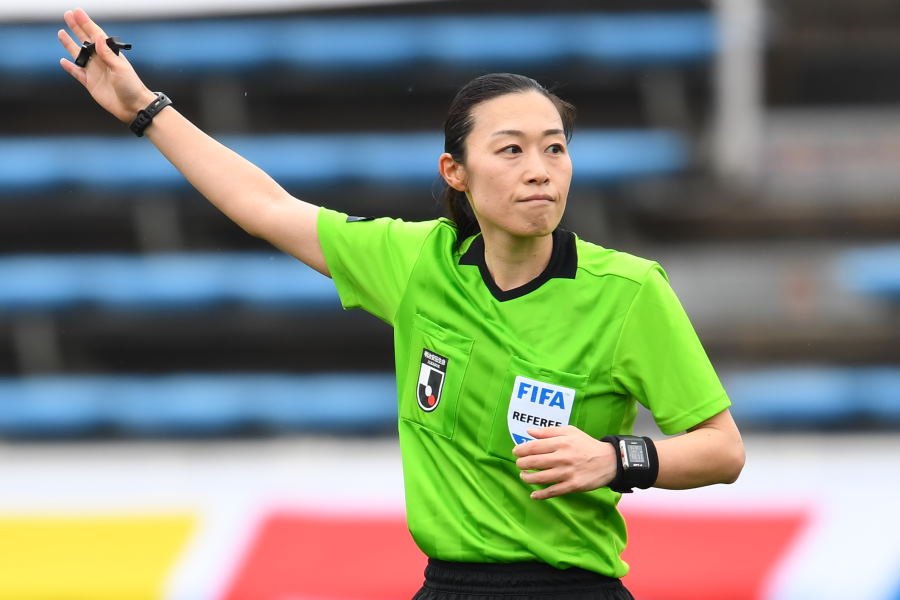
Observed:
{"x":563,"y":264}
{"x":519,"y":579}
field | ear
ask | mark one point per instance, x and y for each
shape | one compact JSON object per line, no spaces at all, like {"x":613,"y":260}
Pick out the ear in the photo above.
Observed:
{"x":454,"y":173}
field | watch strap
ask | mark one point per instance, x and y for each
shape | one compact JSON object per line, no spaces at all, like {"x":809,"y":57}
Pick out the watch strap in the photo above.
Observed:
{"x":145,"y":116}
{"x":628,"y":478}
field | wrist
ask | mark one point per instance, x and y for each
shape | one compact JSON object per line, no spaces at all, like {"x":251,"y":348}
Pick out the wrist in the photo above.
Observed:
{"x":144,"y":117}
{"x":140,"y":102}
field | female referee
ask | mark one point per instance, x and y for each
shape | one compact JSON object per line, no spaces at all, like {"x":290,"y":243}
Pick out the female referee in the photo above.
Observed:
{"x":520,"y":349}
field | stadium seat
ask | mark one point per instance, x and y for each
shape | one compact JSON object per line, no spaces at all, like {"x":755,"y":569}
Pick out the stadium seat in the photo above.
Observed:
{"x":872,"y":271}
{"x":196,"y":404}
{"x":792,"y":397}
{"x":51,"y":406}
{"x":327,"y":43}
{"x":815,"y":396}
{"x":879,"y":393}
{"x":161,"y":281}
{"x":29,"y":164}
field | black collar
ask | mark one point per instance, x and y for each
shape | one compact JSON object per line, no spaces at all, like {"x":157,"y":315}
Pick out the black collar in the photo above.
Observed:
{"x":563,"y":264}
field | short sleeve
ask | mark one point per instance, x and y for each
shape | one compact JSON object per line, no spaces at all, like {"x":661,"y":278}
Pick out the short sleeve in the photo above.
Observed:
{"x":370,"y":260}
{"x":660,"y":362}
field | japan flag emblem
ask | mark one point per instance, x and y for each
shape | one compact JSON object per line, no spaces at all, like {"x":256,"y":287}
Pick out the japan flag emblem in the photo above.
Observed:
{"x":431,"y":380}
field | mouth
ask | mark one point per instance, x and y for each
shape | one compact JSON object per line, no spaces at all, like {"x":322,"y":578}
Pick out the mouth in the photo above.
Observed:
{"x":538,"y":198}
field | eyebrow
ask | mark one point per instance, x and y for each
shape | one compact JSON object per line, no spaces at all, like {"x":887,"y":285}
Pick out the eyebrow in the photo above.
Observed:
{"x":517,"y":133}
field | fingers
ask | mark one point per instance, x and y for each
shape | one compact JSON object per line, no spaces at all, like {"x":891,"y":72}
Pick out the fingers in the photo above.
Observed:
{"x":544,"y":477}
{"x":73,"y":70}
{"x":549,"y":432}
{"x":537,"y":461}
{"x":69,"y":18}
{"x":105,"y":53}
{"x":90,"y":29}
{"x":68,"y":43}
{"x":552,"y":491}
{"x":536,"y":447}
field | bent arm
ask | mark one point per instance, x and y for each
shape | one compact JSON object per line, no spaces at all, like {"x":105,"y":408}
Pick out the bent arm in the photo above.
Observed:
{"x":238,"y":188}
{"x":568,"y":460}
{"x":711,"y":452}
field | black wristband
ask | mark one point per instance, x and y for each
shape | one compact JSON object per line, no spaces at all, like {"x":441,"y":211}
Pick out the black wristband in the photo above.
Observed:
{"x":145,"y":116}
{"x":637,"y":463}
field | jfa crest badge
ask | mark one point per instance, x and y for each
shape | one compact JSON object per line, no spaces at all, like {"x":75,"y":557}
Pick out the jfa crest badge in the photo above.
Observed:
{"x":537,"y":404}
{"x":431,"y":380}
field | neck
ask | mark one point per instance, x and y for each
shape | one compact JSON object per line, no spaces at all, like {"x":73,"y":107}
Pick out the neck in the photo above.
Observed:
{"x":514,"y":261}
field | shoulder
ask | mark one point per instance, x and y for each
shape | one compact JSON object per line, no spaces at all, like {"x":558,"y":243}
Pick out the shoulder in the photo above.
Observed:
{"x":599,"y":261}
{"x":332,"y":221}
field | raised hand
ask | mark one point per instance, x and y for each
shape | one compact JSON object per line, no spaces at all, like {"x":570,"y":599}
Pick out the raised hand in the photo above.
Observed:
{"x":108,"y":77}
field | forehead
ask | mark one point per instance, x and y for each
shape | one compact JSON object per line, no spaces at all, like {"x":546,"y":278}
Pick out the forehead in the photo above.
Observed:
{"x":521,"y":111}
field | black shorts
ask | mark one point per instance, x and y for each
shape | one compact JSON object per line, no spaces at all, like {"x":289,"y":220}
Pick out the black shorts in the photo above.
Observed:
{"x":516,"y":581}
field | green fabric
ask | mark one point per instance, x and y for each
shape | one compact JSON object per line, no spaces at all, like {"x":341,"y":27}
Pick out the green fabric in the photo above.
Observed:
{"x":615,"y":334}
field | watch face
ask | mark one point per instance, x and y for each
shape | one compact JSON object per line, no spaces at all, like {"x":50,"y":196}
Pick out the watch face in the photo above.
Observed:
{"x":634,"y":453}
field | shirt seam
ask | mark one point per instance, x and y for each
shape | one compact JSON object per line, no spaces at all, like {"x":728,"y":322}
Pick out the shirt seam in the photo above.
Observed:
{"x":615,"y":353}
{"x":415,"y":264}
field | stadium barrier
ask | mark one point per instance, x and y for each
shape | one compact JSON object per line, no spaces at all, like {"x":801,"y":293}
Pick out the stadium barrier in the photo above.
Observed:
{"x":43,"y":163}
{"x":365,"y":43}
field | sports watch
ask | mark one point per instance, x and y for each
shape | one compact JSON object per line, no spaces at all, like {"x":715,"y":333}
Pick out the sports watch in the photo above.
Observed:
{"x":637,"y":464}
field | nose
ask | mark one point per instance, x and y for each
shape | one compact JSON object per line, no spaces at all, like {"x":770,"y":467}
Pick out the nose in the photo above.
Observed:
{"x":536,"y":172}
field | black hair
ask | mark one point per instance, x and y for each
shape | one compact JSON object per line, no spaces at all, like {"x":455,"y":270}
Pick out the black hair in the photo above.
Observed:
{"x":459,"y":125}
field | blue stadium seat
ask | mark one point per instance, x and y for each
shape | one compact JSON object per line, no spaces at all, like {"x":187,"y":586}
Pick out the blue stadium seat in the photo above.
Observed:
{"x":879,"y":393}
{"x":214,"y":404}
{"x":161,"y":281}
{"x":872,"y":271}
{"x":29,"y":164}
{"x":51,"y":406}
{"x":366,"y":43}
{"x":196,"y":404}
{"x":791,"y":397}
{"x":815,"y":396}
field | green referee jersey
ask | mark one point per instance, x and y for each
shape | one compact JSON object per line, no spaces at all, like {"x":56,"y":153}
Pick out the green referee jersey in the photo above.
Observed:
{"x":597,"y":332}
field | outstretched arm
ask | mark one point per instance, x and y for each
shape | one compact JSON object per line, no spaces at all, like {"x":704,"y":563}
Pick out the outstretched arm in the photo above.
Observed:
{"x":568,"y":460}
{"x":237,"y":187}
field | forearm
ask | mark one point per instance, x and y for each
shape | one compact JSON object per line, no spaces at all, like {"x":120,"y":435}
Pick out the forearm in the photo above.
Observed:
{"x":241,"y":190}
{"x":237,"y":187}
{"x":713,"y":453}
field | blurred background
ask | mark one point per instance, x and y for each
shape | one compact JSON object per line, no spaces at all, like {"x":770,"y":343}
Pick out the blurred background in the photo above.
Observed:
{"x":186,"y":413}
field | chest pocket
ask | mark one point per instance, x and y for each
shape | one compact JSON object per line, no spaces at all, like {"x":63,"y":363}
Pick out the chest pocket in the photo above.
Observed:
{"x":437,"y":367}
{"x":534,"y":396}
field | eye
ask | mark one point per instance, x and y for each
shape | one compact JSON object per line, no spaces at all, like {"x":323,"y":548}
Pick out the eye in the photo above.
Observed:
{"x":556,"y":149}
{"x":511,"y":149}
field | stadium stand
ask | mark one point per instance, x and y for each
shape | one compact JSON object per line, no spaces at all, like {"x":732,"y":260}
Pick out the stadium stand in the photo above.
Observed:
{"x":363,"y":43}
{"x":816,"y":397}
{"x":873,"y":271}
{"x":393,"y":159}
{"x":121,"y":283}
{"x":162,"y":282}
{"x":196,"y":404}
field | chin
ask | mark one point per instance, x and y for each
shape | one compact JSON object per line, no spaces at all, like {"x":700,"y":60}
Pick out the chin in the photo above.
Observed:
{"x":535,"y":229}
